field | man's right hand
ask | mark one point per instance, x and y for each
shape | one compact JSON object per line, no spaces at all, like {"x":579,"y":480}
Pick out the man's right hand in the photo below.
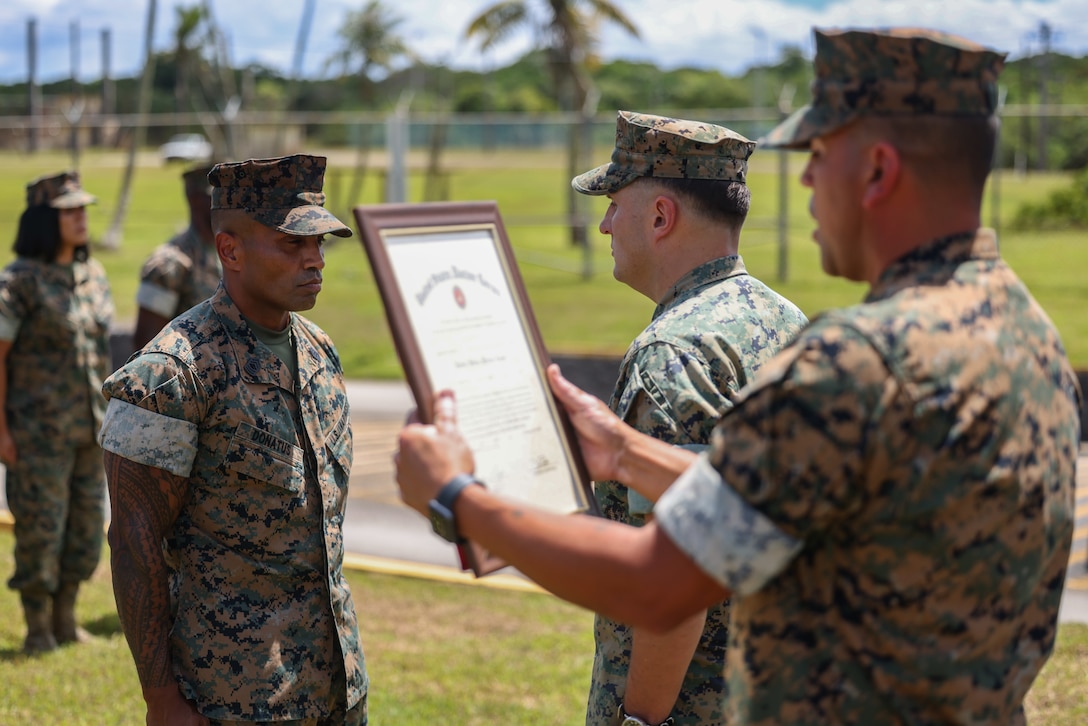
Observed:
{"x":167,"y":707}
{"x":429,"y":456}
{"x":601,"y":434}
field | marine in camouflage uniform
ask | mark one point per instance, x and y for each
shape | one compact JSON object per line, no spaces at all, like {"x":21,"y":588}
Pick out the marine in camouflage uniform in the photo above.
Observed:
{"x":896,"y":514}
{"x":185,"y":270}
{"x":255,"y":422}
{"x":889,"y":501}
{"x":54,"y":326}
{"x":711,"y":331}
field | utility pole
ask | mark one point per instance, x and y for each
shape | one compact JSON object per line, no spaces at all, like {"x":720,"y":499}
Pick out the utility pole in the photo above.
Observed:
{"x":107,"y":107}
{"x":785,"y":104}
{"x":75,"y":108}
{"x":996,"y":173}
{"x":1045,"y":37}
{"x":111,"y":240}
{"x":1022,"y":162}
{"x":34,"y":92}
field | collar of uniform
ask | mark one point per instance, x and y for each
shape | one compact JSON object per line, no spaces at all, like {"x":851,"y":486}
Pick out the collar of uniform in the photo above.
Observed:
{"x":256,"y":362}
{"x":934,"y":262}
{"x":311,"y":361}
{"x":70,"y":274}
{"x":705,"y":274}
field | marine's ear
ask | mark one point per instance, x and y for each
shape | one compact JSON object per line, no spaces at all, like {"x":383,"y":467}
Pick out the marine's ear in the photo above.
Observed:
{"x":665,"y":214}
{"x":883,"y":169}
{"x":229,"y":247}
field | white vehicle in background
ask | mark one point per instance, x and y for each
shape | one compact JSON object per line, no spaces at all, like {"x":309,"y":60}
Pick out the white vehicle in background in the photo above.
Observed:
{"x":186,"y":147}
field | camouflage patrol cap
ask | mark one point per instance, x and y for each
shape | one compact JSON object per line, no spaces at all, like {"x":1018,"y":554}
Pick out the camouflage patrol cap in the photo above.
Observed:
{"x":60,"y":191}
{"x":284,"y":194}
{"x":196,"y":180}
{"x":893,"y":72}
{"x":657,"y":146}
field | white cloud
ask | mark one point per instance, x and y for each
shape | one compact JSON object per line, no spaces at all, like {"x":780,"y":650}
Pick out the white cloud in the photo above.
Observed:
{"x":726,"y":34}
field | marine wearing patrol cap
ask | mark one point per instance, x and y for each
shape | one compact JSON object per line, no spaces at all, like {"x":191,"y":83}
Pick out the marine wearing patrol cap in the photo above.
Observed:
{"x":658,"y":146}
{"x":196,"y":180}
{"x":283,"y":194}
{"x":60,"y":191}
{"x":893,"y":72}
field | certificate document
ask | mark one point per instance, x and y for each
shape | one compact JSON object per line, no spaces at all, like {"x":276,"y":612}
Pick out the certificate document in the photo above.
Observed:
{"x":461,"y":320}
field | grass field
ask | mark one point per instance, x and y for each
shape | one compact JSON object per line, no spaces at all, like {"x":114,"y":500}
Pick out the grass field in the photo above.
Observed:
{"x":575,"y":315}
{"x":463,"y":655}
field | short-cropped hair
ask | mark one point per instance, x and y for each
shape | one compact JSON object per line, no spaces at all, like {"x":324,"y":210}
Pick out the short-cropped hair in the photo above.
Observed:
{"x":727,"y":202}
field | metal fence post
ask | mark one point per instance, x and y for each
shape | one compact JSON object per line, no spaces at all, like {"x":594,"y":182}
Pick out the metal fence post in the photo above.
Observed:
{"x":785,"y":102}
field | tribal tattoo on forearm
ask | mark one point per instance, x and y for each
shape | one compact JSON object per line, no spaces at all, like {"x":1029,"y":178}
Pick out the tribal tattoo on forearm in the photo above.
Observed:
{"x":144,"y":502}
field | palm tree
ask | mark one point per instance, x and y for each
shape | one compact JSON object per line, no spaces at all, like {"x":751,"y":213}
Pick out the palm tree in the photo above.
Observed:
{"x":186,"y":48}
{"x":111,"y":240}
{"x":370,"y":42}
{"x":301,"y":39}
{"x":567,"y":30}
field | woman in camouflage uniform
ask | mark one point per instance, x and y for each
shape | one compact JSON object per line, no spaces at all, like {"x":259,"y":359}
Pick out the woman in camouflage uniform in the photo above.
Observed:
{"x":55,"y":313}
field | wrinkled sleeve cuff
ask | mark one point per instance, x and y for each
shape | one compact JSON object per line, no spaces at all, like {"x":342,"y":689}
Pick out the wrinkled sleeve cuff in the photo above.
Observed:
{"x":9,"y":327}
{"x":149,"y":438}
{"x":157,"y":299}
{"x":731,"y":541}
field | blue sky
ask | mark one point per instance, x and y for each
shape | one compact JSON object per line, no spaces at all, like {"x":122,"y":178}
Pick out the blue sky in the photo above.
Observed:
{"x":730,"y":35}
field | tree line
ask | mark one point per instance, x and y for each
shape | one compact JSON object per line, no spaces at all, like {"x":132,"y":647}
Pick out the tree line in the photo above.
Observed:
{"x":372,"y":66}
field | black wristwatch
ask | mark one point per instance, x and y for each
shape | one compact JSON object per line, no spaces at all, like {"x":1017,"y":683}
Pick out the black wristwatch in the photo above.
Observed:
{"x":441,"y":507}
{"x":623,"y":719}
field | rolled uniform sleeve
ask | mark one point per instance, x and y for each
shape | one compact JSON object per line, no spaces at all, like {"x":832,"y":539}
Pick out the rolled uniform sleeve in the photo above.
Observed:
{"x":161,"y":279}
{"x":785,"y":463}
{"x":13,"y":303}
{"x":155,"y":405}
{"x":157,"y":299}
{"x":728,"y":539}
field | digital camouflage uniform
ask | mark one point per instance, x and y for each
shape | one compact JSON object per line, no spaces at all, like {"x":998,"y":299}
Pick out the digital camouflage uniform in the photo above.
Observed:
{"x":891,"y":500}
{"x":709,"y":334}
{"x":178,"y":275}
{"x":714,"y":330}
{"x":57,"y":317}
{"x":185,"y":270}
{"x":265,"y":621}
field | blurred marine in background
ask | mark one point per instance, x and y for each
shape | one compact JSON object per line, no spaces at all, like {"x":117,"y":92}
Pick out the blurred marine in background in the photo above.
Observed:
{"x":55,"y":315}
{"x":185,"y":270}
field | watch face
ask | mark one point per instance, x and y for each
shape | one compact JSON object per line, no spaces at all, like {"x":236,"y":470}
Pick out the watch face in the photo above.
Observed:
{"x":442,"y":521}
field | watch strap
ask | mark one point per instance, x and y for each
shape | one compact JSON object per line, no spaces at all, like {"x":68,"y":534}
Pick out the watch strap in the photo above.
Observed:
{"x":452,"y":489}
{"x":442,"y":518}
{"x":623,"y":719}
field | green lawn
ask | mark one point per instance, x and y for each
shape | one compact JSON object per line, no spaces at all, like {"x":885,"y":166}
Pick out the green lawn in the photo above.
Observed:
{"x":437,"y":652}
{"x":575,"y":315}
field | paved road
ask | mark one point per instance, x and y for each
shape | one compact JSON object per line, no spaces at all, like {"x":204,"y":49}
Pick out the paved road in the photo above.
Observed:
{"x":378,"y":412}
{"x":383,"y":534}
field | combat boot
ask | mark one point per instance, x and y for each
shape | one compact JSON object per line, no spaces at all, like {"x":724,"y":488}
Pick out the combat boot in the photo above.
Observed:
{"x":39,"y":631}
{"x":65,"y":629}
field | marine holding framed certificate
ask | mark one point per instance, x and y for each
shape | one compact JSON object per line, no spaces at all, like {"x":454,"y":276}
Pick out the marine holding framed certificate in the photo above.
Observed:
{"x":460,"y":319}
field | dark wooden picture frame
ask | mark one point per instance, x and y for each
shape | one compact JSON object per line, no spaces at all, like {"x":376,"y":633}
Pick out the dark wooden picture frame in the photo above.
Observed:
{"x":386,"y":224}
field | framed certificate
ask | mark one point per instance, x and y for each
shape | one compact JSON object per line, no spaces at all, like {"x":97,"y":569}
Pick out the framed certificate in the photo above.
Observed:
{"x":461,"y":320}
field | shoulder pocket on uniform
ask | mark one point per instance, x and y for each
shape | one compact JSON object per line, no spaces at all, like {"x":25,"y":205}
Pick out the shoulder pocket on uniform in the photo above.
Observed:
{"x":260,"y":455}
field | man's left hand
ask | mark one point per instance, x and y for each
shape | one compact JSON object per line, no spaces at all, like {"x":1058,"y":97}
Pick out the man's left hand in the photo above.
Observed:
{"x":431,"y":455}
